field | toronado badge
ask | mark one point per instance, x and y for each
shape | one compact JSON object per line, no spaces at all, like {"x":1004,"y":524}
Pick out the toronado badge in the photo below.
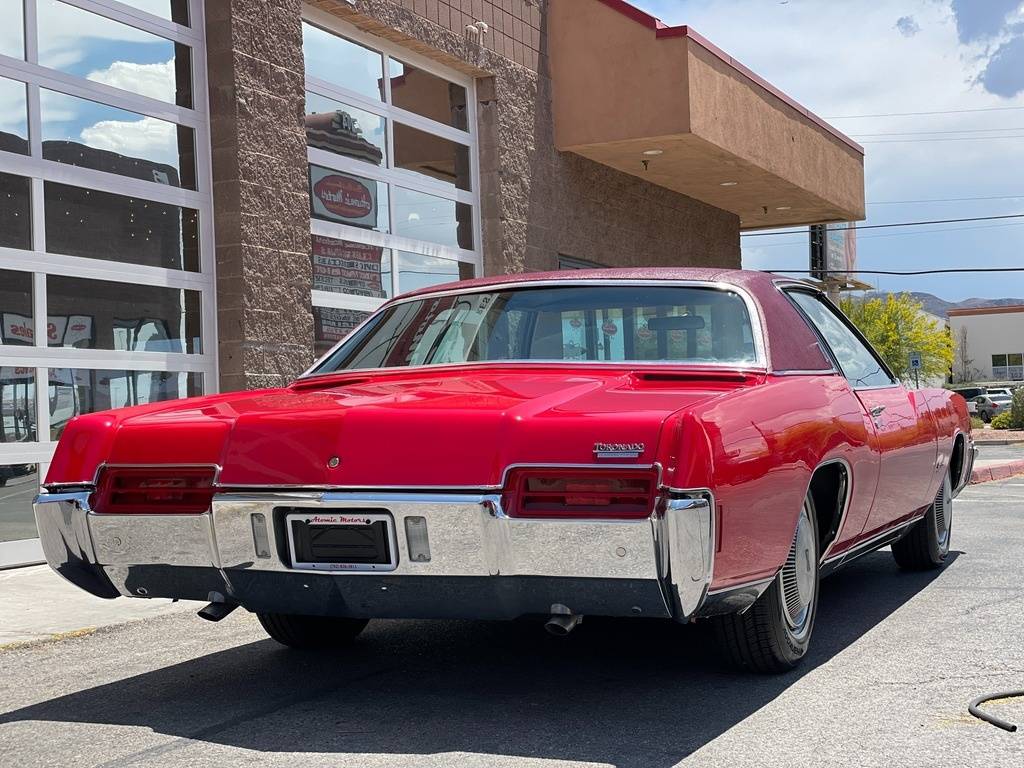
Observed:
{"x":618,"y":450}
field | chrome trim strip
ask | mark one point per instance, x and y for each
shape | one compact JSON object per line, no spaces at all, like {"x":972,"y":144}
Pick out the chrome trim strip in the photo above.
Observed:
{"x":757,"y":326}
{"x":796,"y":372}
{"x":172,"y":465}
{"x":872,"y":544}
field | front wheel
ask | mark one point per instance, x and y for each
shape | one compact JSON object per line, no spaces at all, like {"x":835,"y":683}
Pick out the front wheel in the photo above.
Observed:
{"x":774,"y":633}
{"x":926,"y":544}
{"x":311,"y":631}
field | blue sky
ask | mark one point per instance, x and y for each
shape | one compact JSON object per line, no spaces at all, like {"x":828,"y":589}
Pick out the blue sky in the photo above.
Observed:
{"x":883,"y":57}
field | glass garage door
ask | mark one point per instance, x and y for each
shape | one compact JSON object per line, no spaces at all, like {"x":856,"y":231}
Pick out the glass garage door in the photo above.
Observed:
{"x":106,"y":233}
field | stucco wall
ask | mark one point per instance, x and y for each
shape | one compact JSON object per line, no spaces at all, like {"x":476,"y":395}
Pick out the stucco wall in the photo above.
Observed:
{"x":998,"y":333}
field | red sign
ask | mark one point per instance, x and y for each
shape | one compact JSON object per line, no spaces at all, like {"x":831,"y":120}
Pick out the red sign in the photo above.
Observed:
{"x":575,"y":322}
{"x":610,"y":328}
{"x":341,"y":266}
{"x":644,"y":333}
{"x":344,"y":196}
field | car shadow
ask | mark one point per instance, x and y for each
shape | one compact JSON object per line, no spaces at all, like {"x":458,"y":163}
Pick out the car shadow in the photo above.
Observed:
{"x":630,"y":693}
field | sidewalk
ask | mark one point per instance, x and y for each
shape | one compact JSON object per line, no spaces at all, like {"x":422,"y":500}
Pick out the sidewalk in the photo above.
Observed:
{"x":985,"y":471}
{"x":37,"y":604}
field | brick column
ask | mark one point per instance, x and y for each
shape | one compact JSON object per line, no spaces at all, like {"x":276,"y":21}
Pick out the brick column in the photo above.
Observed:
{"x":260,"y":191}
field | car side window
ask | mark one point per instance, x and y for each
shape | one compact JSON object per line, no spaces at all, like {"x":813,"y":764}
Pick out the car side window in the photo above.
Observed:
{"x":857,"y":361}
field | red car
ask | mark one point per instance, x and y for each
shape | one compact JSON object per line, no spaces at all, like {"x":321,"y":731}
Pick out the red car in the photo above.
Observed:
{"x":684,"y":444}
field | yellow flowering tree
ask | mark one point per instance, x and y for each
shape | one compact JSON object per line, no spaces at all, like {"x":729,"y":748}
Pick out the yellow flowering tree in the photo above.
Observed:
{"x":896,"y":326}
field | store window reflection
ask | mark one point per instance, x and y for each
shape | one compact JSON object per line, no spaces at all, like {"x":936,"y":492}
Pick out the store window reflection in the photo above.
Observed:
{"x":345,"y":130}
{"x":432,"y":156}
{"x":15,"y":212}
{"x":416,"y":270}
{"x":12,"y":29}
{"x":94,"y":314}
{"x":348,"y":199}
{"x":105,"y":51}
{"x":16,"y":308}
{"x":19,"y":483}
{"x":357,"y":269}
{"x":93,"y":135}
{"x":130,"y":230}
{"x":433,"y":219}
{"x":13,"y":116}
{"x":73,"y":392}
{"x":342,"y":62}
{"x":428,"y":95}
{"x":331,"y":325}
{"x":17,"y":404}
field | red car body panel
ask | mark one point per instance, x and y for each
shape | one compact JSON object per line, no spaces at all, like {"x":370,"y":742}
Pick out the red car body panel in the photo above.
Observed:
{"x":752,"y":437}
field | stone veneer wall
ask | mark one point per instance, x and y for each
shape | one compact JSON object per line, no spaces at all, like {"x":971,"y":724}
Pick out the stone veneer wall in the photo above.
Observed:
{"x":537,"y":203}
{"x":260,"y":191}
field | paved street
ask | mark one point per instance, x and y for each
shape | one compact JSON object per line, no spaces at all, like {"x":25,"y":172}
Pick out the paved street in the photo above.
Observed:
{"x":896,"y":658}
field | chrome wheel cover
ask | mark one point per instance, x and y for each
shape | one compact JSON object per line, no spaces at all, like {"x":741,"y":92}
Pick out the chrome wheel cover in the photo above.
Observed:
{"x":797,"y":580}
{"x":942,"y":517}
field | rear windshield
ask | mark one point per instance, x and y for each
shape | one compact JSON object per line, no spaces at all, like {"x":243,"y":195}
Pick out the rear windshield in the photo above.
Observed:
{"x":573,"y":324}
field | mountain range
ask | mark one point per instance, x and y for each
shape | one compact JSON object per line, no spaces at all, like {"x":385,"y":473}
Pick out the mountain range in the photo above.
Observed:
{"x":941,"y":307}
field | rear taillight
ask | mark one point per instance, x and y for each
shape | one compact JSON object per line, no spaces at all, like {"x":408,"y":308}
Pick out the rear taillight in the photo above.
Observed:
{"x":153,"y":491}
{"x":623,"y":494}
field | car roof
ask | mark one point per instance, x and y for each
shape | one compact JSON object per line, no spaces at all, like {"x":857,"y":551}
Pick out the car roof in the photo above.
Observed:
{"x":789,"y":342}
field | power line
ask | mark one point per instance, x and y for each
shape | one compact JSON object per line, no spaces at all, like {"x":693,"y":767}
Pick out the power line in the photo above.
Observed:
{"x":935,"y":133}
{"x":946,"y":200}
{"x":915,"y":114}
{"x":803,"y":242}
{"x":888,"y":226}
{"x":924,"y":141}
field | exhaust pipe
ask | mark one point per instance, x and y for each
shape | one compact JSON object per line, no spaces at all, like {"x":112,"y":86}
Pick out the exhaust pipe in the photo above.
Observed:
{"x":562,"y":621}
{"x":218,"y":608}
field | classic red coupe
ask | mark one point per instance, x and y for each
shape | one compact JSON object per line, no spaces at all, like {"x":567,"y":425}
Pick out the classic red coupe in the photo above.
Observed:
{"x":683,"y":444}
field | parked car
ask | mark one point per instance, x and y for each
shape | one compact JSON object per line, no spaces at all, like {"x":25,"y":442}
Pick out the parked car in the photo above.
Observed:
{"x":990,"y":405}
{"x":675,"y":443}
{"x":12,"y":471}
{"x":999,"y":392}
{"x":969,"y":393}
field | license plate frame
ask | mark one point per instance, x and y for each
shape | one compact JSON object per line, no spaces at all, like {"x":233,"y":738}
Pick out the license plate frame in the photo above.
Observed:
{"x":366,"y":523}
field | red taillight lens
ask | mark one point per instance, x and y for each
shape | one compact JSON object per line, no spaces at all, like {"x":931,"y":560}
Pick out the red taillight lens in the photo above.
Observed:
{"x":154,"y":491}
{"x":580,"y":493}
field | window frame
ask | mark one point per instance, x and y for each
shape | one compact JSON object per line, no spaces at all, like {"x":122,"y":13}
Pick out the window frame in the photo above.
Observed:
{"x":39,"y":263}
{"x":388,"y":174}
{"x":788,"y":290}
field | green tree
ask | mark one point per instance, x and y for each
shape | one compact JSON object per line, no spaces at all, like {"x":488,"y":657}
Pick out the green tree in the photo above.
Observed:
{"x":896,"y":326}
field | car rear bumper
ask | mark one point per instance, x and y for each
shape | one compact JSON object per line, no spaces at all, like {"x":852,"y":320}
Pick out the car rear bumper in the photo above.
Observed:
{"x":482,"y":563}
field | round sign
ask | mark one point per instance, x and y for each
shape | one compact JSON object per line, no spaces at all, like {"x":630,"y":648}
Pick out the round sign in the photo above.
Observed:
{"x":610,"y":328}
{"x":644,"y":333}
{"x":575,"y":322}
{"x":344,"y":197}
{"x":676,"y":335}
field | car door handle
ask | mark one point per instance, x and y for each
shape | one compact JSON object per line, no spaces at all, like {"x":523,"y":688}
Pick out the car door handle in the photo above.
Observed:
{"x":877,"y":411}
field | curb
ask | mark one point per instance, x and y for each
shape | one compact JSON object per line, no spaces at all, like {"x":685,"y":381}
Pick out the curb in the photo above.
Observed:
{"x":997,"y":472}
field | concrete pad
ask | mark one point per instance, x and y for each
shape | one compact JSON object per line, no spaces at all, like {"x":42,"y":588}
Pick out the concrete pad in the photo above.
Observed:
{"x":37,"y":604}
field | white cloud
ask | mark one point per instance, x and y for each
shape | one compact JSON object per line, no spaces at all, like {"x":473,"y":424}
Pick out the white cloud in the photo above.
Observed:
{"x":153,"y":80}
{"x":147,"y":138}
{"x":850,"y":59}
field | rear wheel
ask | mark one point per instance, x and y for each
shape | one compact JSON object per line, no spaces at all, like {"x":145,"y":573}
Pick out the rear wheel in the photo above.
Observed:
{"x":774,"y":633}
{"x":311,"y":631}
{"x":926,"y":544}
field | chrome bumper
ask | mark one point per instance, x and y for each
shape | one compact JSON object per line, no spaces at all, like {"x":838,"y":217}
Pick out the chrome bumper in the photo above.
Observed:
{"x":482,"y":562}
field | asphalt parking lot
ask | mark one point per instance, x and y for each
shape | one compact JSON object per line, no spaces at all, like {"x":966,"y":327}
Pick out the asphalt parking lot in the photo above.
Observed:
{"x":895,"y":659}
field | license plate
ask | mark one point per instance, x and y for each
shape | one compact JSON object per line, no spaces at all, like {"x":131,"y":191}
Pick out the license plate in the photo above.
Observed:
{"x":342,"y":541}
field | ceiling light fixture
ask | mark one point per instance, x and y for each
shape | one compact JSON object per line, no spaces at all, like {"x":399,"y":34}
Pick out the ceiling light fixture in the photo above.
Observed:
{"x":654,"y":152}
{"x":784,"y":208}
{"x":728,"y":184}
